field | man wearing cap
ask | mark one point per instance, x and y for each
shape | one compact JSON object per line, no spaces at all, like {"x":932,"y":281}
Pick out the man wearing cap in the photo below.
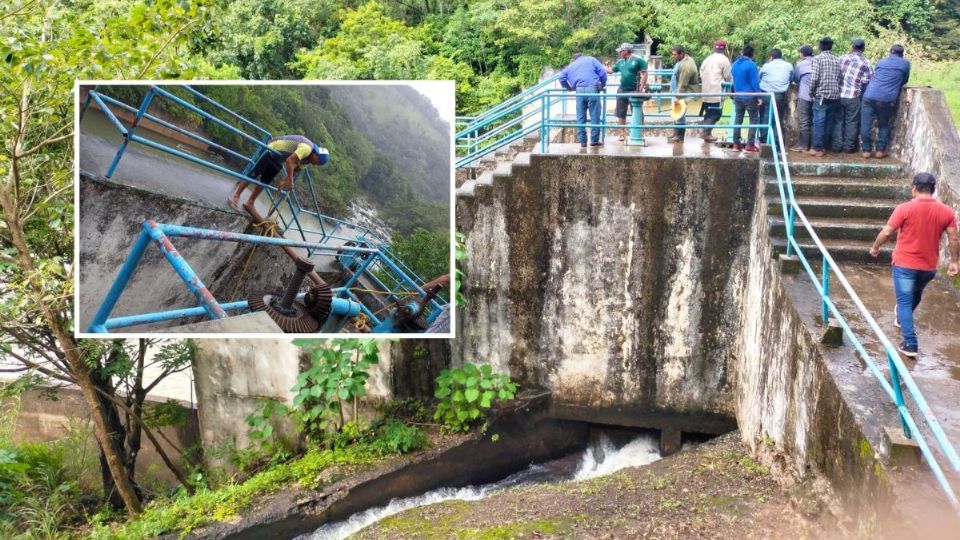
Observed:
{"x":774,"y":78}
{"x":801,"y":76}
{"x":290,"y":152}
{"x":685,"y":80}
{"x":746,"y":80}
{"x":633,"y":78}
{"x":921,"y":222}
{"x":714,"y":71}
{"x":586,"y":75}
{"x":880,"y":100}
{"x":856,"y":72}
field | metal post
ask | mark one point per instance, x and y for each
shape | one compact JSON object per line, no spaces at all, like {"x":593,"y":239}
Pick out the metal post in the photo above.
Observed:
{"x":636,"y":120}
{"x":186,"y":273}
{"x":120,"y":282}
{"x":126,"y":139}
{"x":789,"y":227}
{"x":826,"y":290}
{"x":898,"y":393}
{"x":545,"y":122}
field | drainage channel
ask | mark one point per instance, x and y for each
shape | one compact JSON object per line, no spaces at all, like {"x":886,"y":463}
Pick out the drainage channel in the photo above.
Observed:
{"x":602,"y":456}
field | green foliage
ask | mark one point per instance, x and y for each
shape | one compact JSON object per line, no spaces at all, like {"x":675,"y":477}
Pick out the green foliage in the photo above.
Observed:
{"x":944,"y":75}
{"x":262,"y":433}
{"x":426,"y":253}
{"x":337,"y":374}
{"x":467,"y":392}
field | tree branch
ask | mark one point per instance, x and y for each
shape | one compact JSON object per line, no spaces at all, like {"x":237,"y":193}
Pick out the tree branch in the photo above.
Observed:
{"x":163,"y":47}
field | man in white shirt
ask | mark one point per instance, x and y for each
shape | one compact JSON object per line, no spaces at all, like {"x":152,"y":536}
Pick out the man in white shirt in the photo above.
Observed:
{"x":714,"y":71}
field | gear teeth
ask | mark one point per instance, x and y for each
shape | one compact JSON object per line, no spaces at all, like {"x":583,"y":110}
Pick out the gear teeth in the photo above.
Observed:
{"x":319,"y":302}
{"x":303,"y":323}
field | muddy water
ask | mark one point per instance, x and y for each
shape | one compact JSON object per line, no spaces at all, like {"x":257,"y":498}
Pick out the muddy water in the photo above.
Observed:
{"x":601,"y":458}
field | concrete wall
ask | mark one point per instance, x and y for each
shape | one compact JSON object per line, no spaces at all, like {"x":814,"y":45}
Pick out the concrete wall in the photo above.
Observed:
{"x":612,"y":282}
{"x":791,"y":393}
{"x":926,"y":140}
{"x":231,"y":375}
{"x":44,"y":416}
{"x":110,"y":219}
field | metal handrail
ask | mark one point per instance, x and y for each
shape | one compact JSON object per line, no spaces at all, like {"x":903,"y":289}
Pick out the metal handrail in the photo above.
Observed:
{"x":791,"y":210}
{"x":898,"y":370}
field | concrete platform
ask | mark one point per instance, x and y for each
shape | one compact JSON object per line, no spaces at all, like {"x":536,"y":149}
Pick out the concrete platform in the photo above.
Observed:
{"x":693,"y":146}
{"x":151,"y":170}
{"x":247,"y":323}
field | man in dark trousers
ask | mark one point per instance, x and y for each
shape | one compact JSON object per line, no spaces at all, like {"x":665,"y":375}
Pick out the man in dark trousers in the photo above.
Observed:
{"x":880,"y":101}
{"x":825,"y":79}
{"x":290,"y":152}
{"x":633,"y":78}
{"x":921,"y":223}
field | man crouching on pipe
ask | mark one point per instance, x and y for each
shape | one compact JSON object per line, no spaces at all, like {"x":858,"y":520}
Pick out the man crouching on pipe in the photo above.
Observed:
{"x":289,"y":151}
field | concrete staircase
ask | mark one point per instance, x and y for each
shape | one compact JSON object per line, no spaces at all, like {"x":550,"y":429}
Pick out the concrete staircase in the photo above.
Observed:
{"x":481,"y":172}
{"x":847,"y":202}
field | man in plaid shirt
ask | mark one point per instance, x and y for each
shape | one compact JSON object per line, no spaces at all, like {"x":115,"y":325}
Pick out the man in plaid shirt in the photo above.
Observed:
{"x":825,"y":79}
{"x":856,"y":74}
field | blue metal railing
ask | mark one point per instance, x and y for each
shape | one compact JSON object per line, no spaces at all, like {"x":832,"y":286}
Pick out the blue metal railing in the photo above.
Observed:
{"x":346,"y":304}
{"x":899,"y":374}
{"x":406,"y":281}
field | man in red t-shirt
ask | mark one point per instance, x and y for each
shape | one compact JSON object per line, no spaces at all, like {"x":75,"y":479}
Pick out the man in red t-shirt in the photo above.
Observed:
{"x":921,"y":222}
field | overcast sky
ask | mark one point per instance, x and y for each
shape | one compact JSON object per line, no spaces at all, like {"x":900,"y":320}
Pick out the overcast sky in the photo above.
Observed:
{"x":441,"y":93}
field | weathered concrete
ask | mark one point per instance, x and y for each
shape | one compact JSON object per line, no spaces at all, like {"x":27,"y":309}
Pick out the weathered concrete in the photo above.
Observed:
{"x":44,"y":416}
{"x":612,"y":281}
{"x":110,"y":220}
{"x":926,"y":140}
{"x":233,"y":375}
{"x":248,"y":323}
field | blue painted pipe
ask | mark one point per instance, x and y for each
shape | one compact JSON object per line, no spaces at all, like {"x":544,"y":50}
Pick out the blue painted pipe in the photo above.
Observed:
{"x":121,"y":281}
{"x":207,"y":115}
{"x":144,"y":105}
{"x":186,"y":273}
{"x":340,"y":307}
{"x":190,"y":157}
{"x":106,"y":110}
{"x":225,"y":109}
{"x":209,"y":234}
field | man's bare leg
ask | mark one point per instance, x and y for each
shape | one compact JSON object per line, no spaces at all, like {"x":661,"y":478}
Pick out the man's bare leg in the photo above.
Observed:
{"x":235,"y":196}
{"x":252,"y":200}
{"x":623,"y":134}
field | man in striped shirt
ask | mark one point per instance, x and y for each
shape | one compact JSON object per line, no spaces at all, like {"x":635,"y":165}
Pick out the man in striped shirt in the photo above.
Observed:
{"x":289,"y":152}
{"x":825,"y":80}
{"x":856,"y":74}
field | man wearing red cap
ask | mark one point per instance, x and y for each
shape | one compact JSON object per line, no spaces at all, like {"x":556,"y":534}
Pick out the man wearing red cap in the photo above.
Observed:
{"x":714,"y":71}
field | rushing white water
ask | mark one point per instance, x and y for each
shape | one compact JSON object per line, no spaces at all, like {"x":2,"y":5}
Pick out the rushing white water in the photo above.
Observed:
{"x":600,"y":459}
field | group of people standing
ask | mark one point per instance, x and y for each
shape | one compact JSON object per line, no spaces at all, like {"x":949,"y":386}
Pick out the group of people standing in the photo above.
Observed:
{"x":838,"y":98}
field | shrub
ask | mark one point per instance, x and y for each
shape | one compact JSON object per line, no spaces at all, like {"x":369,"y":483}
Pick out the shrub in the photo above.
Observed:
{"x":467,"y":392}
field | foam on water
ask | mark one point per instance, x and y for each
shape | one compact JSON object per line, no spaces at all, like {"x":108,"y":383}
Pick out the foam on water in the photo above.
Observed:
{"x":600,"y":459}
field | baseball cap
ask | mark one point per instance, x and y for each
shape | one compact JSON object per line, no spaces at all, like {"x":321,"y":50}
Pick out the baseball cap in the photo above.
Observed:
{"x":720,"y":44}
{"x":924,"y":179}
{"x":624,"y":47}
{"x":322,"y":153}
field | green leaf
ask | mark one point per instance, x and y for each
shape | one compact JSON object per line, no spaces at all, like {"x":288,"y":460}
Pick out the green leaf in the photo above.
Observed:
{"x":472,"y":394}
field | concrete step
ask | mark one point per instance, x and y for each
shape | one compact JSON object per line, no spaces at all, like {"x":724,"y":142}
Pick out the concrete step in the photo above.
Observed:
{"x":818,"y":207}
{"x":845,"y":169}
{"x":504,"y":168}
{"x":829,"y":228}
{"x":522,"y":159}
{"x":832,"y":186}
{"x":854,"y":251}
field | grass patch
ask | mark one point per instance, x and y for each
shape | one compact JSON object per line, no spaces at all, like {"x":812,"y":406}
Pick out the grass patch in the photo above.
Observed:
{"x":944,"y":76}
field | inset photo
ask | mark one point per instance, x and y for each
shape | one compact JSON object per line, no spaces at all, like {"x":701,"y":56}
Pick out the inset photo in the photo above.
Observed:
{"x":267,"y":208}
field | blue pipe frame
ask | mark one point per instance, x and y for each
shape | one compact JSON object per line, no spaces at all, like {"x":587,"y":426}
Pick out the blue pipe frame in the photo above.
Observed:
{"x":276,"y":196}
{"x":345,"y":304}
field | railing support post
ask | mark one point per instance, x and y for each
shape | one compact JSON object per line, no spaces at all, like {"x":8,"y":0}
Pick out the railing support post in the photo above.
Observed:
{"x":144,"y":105}
{"x":898,"y":393}
{"x":825,"y":314}
{"x":545,"y":121}
{"x":120,"y":282}
{"x":636,"y":120}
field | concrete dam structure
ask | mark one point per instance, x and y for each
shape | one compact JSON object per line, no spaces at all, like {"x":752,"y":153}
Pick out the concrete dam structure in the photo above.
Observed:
{"x":642,"y":287}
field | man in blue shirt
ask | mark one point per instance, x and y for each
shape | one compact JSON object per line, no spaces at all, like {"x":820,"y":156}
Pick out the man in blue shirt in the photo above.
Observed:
{"x":746,"y":79}
{"x":880,"y":100}
{"x":586,"y":75}
{"x":801,"y":76}
{"x":775,"y":78}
